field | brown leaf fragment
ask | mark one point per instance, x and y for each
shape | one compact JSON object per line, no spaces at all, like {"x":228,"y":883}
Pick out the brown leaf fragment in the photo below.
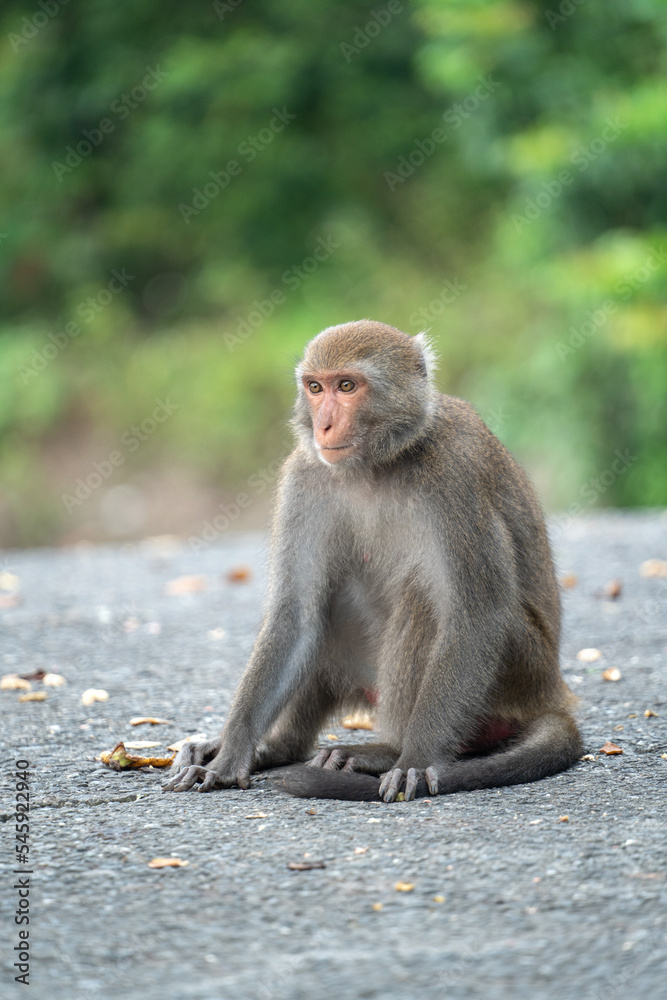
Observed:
{"x":611,"y":591}
{"x":439,"y":899}
{"x":612,"y":674}
{"x":654,"y":567}
{"x":311,"y":812}
{"x":168,"y":863}
{"x":331,"y":736}
{"x":377,"y":907}
{"x":650,"y":714}
{"x":12,"y":682}
{"x":610,"y":749}
{"x":305,"y":866}
{"x":33,"y":696}
{"x":138,"y":720}
{"x":563,"y":819}
{"x":568,"y":581}
{"x":358,"y":720}
{"x":239,"y":574}
{"x":257,"y":815}
{"x":34,"y":675}
{"x":119,"y":759}
{"x":404,"y":886}
{"x":185,"y":585}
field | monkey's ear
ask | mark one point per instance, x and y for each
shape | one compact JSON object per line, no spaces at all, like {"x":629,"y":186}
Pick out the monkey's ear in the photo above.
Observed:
{"x":428,"y":354}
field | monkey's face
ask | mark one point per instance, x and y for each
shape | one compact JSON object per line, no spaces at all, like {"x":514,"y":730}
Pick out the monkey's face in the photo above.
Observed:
{"x":336,"y":400}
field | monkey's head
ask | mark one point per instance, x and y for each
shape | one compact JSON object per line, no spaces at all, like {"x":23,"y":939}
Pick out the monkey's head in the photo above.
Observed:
{"x":365,"y":393}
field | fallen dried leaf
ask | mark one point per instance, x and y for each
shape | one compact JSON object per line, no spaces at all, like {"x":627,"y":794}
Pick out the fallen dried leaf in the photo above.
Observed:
{"x":534,"y":822}
{"x":400,"y":797}
{"x":240,"y":574}
{"x":663,"y":756}
{"x":377,"y":907}
{"x":12,"y":682}
{"x":654,"y":567}
{"x":34,"y":675}
{"x":650,"y":714}
{"x":330,"y":736}
{"x":119,"y":760}
{"x":141,"y":745}
{"x":619,"y":729}
{"x":610,"y":749}
{"x":589,"y":655}
{"x":404,"y":886}
{"x":569,"y":580}
{"x":612,"y":674}
{"x":360,"y":850}
{"x":168,"y":863}
{"x":53,"y":680}
{"x":138,"y":720}
{"x":9,"y":581}
{"x":94,"y":694}
{"x":186,"y":585}
{"x":33,"y":696}
{"x":311,"y":812}
{"x":588,"y":756}
{"x":305,"y":866}
{"x":611,"y":591}
{"x":195,"y":738}
{"x":257,"y":815}
{"x":439,"y":899}
{"x":563,"y":819}
{"x":359,"y":720}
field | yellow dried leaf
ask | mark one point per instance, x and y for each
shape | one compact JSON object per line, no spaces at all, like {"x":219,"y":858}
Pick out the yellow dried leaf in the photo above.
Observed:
{"x":610,"y":749}
{"x":650,"y":714}
{"x":439,"y":899}
{"x":563,"y":819}
{"x":400,"y":797}
{"x":119,"y":759}
{"x":33,"y":696}
{"x":94,"y":694}
{"x":612,"y":674}
{"x":589,"y":655}
{"x":186,"y":585}
{"x":663,"y":756}
{"x":654,"y":567}
{"x":12,"y":682}
{"x":138,"y":720}
{"x":330,"y":736}
{"x":53,"y":680}
{"x":360,"y":720}
{"x":377,"y":907}
{"x":168,"y":863}
{"x":257,"y":815}
{"x":404,"y":886}
{"x":569,"y":580}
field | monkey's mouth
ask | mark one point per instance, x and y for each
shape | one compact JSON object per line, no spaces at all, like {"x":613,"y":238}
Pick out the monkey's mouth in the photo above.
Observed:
{"x":335,"y":447}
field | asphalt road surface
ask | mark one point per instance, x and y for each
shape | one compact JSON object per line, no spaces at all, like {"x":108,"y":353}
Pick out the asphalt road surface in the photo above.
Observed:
{"x":509,"y":900}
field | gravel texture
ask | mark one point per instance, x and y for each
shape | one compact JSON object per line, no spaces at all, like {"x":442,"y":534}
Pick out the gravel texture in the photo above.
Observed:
{"x":534,"y":907}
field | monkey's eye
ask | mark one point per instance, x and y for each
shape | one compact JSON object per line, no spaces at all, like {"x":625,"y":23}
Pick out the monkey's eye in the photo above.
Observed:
{"x":315,"y":387}
{"x":347,"y":385}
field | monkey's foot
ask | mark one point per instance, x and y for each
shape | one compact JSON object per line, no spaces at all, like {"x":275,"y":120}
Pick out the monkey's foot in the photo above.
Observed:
{"x":371,"y":758}
{"x":208,"y":780}
{"x":391,"y":783}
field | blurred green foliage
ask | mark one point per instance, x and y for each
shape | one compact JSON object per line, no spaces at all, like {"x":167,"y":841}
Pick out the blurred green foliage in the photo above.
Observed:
{"x":196,"y":189}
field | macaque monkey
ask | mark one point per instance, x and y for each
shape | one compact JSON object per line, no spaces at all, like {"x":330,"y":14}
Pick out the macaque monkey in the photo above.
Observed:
{"x":409,"y":558}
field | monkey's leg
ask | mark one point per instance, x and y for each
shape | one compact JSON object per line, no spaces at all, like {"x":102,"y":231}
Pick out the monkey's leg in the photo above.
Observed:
{"x":293,"y":736}
{"x":369,"y":758}
{"x":547,"y":746}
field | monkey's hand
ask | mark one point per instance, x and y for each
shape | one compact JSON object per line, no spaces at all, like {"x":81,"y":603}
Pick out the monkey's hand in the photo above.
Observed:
{"x":189,"y":769}
{"x":391,"y":782}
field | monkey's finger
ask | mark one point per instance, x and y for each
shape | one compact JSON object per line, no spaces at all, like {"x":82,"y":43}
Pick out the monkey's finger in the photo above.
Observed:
{"x":411,"y":784}
{"x":171,"y":784}
{"x":350,"y":764}
{"x":431,"y":776}
{"x":320,"y":759}
{"x":336,"y":758}
{"x":188,"y":777}
{"x":391,"y":786}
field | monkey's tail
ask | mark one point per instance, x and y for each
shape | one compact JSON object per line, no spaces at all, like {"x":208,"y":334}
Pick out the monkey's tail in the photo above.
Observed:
{"x":547,"y":746}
